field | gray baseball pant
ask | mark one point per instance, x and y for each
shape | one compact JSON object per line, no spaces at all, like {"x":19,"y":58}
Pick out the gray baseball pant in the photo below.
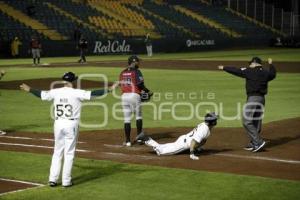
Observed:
{"x":252,"y":118}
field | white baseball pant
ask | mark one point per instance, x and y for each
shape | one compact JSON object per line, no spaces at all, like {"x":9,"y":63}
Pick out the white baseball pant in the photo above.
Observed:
{"x":173,"y":148}
{"x":65,"y":135}
{"x":149,"y":50}
{"x":131,"y":103}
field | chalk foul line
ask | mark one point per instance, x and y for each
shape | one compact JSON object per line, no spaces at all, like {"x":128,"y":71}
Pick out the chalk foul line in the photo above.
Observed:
{"x":263,"y":158}
{"x":38,"y":146}
{"x":117,"y":146}
{"x":24,"y":182}
{"x":30,"y":138}
{"x":258,"y":158}
{"x":130,"y":155}
{"x":37,"y":185}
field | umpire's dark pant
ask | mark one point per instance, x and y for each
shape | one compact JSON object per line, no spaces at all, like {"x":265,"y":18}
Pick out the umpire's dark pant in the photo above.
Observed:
{"x":252,"y":118}
{"x":82,"y":55}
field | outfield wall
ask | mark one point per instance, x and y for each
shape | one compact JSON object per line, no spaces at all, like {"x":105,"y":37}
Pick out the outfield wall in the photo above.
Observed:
{"x":135,"y":46}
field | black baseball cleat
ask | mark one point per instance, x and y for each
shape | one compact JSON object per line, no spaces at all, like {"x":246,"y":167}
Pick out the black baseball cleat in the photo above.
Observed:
{"x":199,"y":150}
{"x":52,"y":184}
{"x":259,"y":147}
{"x":141,"y":142}
{"x":141,"y":138}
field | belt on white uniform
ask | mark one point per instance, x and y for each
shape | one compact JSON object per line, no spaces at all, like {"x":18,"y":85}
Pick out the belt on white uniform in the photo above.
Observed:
{"x":73,"y":119}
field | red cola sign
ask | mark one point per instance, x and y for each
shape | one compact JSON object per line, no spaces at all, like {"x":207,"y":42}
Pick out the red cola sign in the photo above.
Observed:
{"x":111,"y":46}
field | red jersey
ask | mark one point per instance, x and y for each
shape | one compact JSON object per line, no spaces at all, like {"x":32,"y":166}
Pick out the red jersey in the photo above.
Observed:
{"x":35,"y":44}
{"x":129,"y":79}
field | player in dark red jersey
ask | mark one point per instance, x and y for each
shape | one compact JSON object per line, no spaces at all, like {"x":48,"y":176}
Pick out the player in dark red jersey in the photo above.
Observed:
{"x":35,"y":46}
{"x":132,"y":84}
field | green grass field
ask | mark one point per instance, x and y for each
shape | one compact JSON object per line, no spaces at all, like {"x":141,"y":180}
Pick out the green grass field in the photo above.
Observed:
{"x":109,"y":180}
{"x":226,"y":91}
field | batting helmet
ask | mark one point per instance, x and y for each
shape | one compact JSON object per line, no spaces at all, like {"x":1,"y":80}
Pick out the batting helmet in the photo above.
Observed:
{"x":211,"y":119}
{"x":69,"y":76}
{"x":133,"y":58}
{"x":256,"y":60}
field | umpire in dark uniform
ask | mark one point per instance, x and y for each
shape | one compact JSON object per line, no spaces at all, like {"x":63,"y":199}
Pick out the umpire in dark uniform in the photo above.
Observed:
{"x":257,"y":80}
{"x":82,"y":45}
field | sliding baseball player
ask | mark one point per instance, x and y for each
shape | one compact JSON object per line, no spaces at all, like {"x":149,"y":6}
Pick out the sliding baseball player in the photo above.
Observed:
{"x":191,"y":141}
{"x":67,"y":107}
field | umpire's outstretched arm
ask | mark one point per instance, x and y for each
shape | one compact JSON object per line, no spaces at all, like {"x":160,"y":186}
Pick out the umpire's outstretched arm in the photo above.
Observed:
{"x":235,"y":71}
{"x":272,"y":70}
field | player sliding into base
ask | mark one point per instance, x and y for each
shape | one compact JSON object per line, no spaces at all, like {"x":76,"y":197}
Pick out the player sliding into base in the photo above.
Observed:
{"x":67,"y":107}
{"x":192,"y":141}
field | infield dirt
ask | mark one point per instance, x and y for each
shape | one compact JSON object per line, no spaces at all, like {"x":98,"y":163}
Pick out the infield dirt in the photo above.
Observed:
{"x":222,"y":153}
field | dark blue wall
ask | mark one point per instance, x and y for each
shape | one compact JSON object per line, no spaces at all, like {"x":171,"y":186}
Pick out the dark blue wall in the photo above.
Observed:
{"x":135,"y":46}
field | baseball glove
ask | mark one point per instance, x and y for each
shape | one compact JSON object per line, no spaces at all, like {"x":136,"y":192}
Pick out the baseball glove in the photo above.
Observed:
{"x":146,"y":96}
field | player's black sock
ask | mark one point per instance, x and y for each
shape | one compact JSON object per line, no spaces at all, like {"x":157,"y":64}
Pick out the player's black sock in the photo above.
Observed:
{"x":127,"y":128}
{"x":38,"y":60}
{"x":139,"y":126}
{"x":34,"y":61}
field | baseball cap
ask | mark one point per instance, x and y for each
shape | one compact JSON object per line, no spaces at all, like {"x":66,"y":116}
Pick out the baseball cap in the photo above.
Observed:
{"x":211,"y":116}
{"x":70,"y":77}
{"x":133,"y":58}
{"x":256,"y":60}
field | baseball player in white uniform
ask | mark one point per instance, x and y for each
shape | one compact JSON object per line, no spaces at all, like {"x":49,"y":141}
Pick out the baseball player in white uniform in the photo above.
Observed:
{"x":67,"y":107}
{"x":192,"y":141}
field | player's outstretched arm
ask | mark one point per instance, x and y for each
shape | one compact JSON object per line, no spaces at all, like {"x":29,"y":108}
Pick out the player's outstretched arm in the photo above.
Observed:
{"x":220,"y":67}
{"x":114,"y":86}
{"x":97,"y":93}
{"x":193,"y":146}
{"x":27,"y":88}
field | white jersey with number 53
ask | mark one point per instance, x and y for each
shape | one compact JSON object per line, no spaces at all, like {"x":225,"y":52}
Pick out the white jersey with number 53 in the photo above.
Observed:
{"x":67,"y":101}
